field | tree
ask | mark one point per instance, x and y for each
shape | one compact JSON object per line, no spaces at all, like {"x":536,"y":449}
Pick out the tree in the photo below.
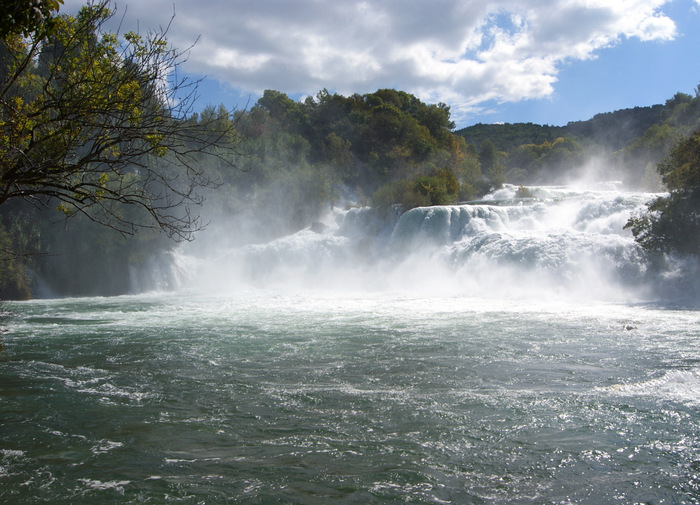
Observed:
{"x":89,"y":122}
{"x":441,"y":188}
{"x":672,"y":223}
{"x":25,"y":17}
{"x":680,"y":171}
{"x":490,"y":163}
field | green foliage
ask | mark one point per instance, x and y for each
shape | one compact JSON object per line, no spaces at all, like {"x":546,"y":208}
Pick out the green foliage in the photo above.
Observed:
{"x":83,"y":258}
{"x":26,"y":17}
{"x":404,"y":193}
{"x":681,"y":170}
{"x":361,"y":142}
{"x":507,"y":137}
{"x":490,"y":160}
{"x":441,"y":188}
{"x":624,"y":141}
{"x":14,"y":284}
{"x":548,"y":160}
{"x":523,"y":192}
{"x":20,"y":235}
{"x":79,"y":108}
{"x":614,"y":130}
{"x":88,"y":126}
{"x":672,"y":223}
{"x":651,"y":147}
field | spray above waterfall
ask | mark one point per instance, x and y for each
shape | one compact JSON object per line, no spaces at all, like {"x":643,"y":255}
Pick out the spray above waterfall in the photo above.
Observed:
{"x":559,"y":243}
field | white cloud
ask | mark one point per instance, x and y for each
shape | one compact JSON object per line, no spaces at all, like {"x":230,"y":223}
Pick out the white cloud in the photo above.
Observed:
{"x":461,"y":52}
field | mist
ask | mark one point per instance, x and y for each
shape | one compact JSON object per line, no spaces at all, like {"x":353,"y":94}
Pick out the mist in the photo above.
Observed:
{"x":561,"y":243}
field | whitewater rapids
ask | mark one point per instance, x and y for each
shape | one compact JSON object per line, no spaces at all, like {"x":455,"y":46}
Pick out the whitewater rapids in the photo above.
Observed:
{"x":559,"y":243}
{"x":502,"y":351}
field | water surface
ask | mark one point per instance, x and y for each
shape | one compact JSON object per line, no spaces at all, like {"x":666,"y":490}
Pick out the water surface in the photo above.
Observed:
{"x":357,"y":398}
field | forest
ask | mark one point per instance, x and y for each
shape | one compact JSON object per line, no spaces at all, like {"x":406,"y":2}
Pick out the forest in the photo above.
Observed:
{"x":277,"y":165}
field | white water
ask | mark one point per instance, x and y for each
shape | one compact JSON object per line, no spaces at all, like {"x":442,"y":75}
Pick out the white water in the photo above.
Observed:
{"x":563,"y":243}
{"x":510,"y":351}
{"x":316,"y":398}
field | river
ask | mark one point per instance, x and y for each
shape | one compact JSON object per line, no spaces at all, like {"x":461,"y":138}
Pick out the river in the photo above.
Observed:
{"x":507,"y":352}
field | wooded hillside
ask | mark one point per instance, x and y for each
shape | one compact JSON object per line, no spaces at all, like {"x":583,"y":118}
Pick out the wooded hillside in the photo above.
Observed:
{"x":626,"y":144}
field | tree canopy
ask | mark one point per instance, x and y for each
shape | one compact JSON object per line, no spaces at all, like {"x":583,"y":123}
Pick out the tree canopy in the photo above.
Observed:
{"x":672,"y":223}
{"x":91,"y":120}
{"x":27,"y":17}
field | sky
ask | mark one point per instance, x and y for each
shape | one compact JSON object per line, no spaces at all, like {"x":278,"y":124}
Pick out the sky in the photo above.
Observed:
{"x":539,"y":61}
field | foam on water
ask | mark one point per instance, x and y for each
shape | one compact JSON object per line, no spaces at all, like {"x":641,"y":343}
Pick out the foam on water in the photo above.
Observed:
{"x":674,"y":385}
{"x":561,"y":242}
{"x":102,"y":486}
{"x":311,"y":397}
{"x":477,"y":353}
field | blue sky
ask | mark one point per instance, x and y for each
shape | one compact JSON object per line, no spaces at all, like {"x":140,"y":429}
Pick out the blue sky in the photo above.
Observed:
{"x":632,"y":73}
{"x":540,"y":61}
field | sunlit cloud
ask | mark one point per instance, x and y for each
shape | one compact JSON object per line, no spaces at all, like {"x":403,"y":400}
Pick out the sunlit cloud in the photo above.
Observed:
{"x":461,"y":52}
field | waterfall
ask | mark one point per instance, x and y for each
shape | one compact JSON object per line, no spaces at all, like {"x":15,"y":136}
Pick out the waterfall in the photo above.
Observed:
{"x":164,"y":272}
{"x":562,"y":242}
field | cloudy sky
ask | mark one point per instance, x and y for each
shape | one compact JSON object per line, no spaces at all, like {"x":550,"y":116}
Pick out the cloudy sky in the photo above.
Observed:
{"x":541,"y":61}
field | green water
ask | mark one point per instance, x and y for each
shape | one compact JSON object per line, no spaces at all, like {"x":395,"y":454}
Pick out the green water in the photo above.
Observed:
{"x":327,"y":398}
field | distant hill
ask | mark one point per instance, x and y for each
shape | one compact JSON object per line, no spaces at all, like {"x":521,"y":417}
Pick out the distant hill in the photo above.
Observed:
{"x":626,"y":144}
{"x":507,"y":136}
{"x":616,"y":129}
{"x":613,"y":130}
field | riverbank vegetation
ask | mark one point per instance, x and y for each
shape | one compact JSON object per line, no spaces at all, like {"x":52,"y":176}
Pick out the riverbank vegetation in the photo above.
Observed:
{"x":94,"y":126}
{"x":103,"y":164}
{"x":672,"y":222}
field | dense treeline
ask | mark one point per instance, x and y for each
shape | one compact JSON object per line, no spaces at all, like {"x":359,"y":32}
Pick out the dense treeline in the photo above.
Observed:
{"x":508,"y":136}
{"x":627,"y":144}
{"x":614,"y":130}
{"x":672,"y":223}
{"x":382,"y":148}
{"x":610,"y":129}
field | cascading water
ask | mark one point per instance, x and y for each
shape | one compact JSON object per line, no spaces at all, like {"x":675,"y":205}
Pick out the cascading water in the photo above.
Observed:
{"x":560,"y":242}
{"x":492,"y":352}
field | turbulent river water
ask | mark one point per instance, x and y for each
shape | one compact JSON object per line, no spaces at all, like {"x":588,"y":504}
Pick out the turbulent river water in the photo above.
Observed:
{"x":511,"y":351}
